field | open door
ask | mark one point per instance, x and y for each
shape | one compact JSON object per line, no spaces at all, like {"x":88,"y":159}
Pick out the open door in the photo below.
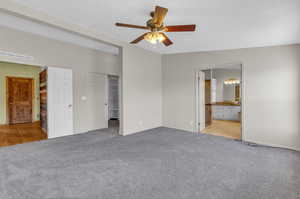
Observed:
{"x":60,"y":102}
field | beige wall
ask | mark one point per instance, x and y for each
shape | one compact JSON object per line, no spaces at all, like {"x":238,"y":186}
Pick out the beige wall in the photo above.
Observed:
{"x":59,"y":56}
{"x":18,"y":70}
{"x":142,"y":92}
{"x":141,"y":84}
{"x":272,"y":91}
{"x":47,"y":52}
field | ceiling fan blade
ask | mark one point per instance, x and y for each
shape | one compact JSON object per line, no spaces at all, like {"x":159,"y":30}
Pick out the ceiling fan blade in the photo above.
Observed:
{"x":159,"y":15}
{"x":131,"y":26}
{"x":166,"y":41}
{"x":180,"y":28}
{"x":140,"y":38}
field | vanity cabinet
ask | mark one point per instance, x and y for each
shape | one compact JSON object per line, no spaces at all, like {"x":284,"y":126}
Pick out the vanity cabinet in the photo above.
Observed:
{"x":225,"y":112}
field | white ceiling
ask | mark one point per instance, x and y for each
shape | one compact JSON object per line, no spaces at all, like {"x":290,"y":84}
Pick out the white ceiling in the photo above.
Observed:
{"x":221,"y":24}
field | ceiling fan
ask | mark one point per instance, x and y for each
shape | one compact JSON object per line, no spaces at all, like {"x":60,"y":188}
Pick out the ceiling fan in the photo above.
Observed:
{"x":157,"y":28}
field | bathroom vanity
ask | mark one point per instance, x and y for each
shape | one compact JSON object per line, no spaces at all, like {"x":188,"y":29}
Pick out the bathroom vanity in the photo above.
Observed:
{"x":226,"y":111}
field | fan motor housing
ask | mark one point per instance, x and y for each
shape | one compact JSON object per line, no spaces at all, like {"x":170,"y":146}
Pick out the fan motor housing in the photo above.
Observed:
{"x":155,"y":27}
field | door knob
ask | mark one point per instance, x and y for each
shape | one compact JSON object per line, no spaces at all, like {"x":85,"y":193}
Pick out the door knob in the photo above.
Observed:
{"x":70,"y":106}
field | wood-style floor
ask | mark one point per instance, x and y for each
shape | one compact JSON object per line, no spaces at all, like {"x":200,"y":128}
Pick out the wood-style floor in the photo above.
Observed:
{"x":20,"y":133}
{"x":225,"y":128}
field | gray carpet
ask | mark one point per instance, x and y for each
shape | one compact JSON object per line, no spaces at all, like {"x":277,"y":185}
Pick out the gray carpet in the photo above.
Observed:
{"x":157,"y":164}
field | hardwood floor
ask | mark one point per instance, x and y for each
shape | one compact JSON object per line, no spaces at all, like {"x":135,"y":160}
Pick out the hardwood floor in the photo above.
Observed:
{"x":20,"y":133}
{"x":225,"y":128}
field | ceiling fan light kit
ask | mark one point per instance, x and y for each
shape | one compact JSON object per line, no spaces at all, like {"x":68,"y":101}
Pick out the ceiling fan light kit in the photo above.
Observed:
{"x":157,"y":28}
{"x":154,"y":37}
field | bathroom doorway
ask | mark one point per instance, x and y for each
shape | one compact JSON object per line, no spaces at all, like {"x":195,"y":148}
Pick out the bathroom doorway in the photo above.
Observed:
{"x":220,"y":101}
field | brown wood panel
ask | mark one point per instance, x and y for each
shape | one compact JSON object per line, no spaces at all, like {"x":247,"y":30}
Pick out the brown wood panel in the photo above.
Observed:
{"x":208,"y":108}
{"x":237,"y":93}
{"x":208,"y":115}
{"x":20,"y":100}
{"x":207,"y":91}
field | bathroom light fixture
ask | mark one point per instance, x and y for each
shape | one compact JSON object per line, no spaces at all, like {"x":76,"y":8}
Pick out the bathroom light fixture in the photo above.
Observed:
{"x":231,"y":81}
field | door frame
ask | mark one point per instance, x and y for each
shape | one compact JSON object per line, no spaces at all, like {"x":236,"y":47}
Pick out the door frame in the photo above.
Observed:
{"x":7,"y":97}
{"x":200,"y":114}
{"x":242,"y":94}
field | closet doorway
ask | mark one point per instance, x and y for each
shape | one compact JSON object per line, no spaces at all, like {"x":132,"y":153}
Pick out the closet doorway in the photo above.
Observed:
{"x":113,"y":102}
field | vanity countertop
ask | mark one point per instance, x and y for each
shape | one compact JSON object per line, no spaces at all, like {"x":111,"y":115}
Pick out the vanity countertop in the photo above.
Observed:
{"x":224,"y":104}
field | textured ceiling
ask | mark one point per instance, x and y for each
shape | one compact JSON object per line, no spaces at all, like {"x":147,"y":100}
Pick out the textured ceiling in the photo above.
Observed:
{"x":221,"y":24}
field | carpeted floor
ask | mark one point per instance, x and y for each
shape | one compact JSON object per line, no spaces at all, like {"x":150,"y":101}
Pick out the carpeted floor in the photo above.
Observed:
{"x":157,"y":164}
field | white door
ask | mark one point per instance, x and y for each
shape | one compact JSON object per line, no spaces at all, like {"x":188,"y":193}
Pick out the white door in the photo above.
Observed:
{"x":97,"y":101}
{"x":201,"y":83}
{"x":60,"y":102}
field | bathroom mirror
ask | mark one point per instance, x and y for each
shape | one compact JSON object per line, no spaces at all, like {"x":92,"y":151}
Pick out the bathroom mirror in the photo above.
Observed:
{"x":227,"y":84}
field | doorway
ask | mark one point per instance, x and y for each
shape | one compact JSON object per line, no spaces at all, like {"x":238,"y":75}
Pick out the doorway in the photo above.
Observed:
{"x":220,"y":101}
{"x":113,"y":103}
{"x":103,"y":96}
{"x":20,"y":111}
